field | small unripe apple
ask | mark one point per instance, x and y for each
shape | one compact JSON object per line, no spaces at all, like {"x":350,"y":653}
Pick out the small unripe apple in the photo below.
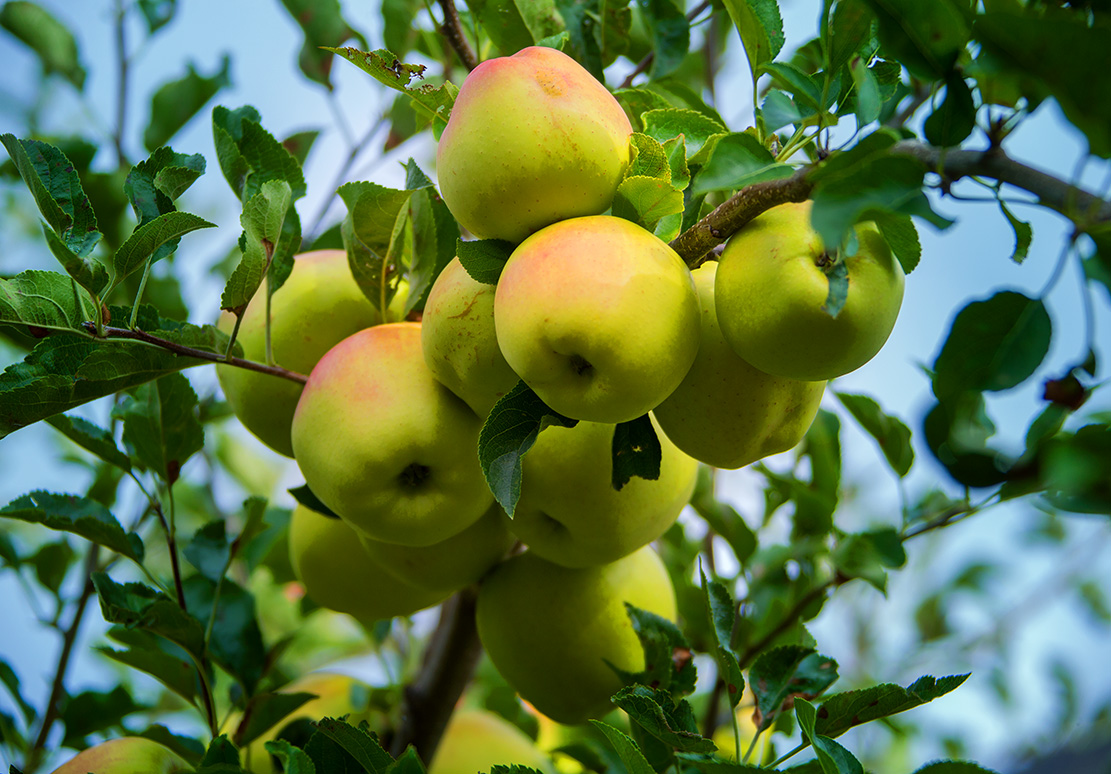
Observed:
{"x":599,"y":317}
{"x":727,"y":413}
{"x":338,"y":574}
{"x":553,"y":632}
{"x":477,"y":740}
{"x":318,"y":306}
{"x":771,"y":290}
{"x":127,"y":755}
{"x":458,"y":339}
{"x":386,"y":446}
{"x":532,"y":139}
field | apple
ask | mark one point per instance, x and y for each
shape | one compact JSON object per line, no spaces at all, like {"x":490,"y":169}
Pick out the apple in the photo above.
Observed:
{"x":552,"y":631}
{"x":127,"y":755}
{"x":599,"y":317}
{"x":458,"y":339}
{"x":477,"y":740}
{"x":451,"y":564}
{"x":337,"y":695}
{"x":532,"y":139}
{"x":318,"y":306}
{"x":727,"y":413}
{"x":772,"y":288}
{"x":386,"y":446}
{"x":338,"y":574}
{"x":569,"y":513}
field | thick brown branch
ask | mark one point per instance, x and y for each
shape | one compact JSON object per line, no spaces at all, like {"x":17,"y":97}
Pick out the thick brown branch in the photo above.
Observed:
{"x":452,"y":29}
{"x":199,"y":354}
{"x":449,"y":661}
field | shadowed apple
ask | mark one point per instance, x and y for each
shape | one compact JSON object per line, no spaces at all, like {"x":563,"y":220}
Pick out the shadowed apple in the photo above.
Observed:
{"x":477,"y":740}
{"x":127,"y":755}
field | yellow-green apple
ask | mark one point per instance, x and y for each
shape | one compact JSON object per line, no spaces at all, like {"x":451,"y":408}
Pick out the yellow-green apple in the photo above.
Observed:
{"x":598,"y":316}
{"x":727,"y":413}
{"x":458,"y":339}
{"x":451,"y":564}
{"x":318,"y":305}
{"x":477,"y":740}
{"x":337,"y":695}
{"x":385,"y":445}
{"x":338,"y":574}
{"x":532,"y":139}
{"x":569,"y":513}
{"x":553,"y":632}
{"x":772,"y":286}
{"x":127,"y":755}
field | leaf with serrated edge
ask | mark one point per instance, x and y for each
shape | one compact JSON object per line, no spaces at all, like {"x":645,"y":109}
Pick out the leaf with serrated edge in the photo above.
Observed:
{"x":627,"y":749}
{"x":636,"y":451}
{"x":760,"y":27}
{"x":91,"y":438}
{"x":644,"y":200}
{"x":484,"y":259}
{"x":659,"y":714}
{"x":147,"y":238}
{"x":360,"y":745}
{"x":434,"y":102}
{"x":262,"y":219}
{"x":889,"y":432}
{"x":176,"y":102}
{"x":136,"y":605}
{"x":649,"y":159}
{"x":160,"y":426}
{"x":840,"y":712}
{"x":80,"y":516}
{"x":832,"y":757}
{"x":43,"y":299}
{"x":695,"y":127}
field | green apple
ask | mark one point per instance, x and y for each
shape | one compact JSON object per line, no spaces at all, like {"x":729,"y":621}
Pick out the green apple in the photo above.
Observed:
{"x":771,"y":293}
{"x":532,"y":139}
{"x":553,"y":632}
{"x":599,"y":317}
{"x":569,"y":513}
{"x":317,"y":306}
{"x":727,"y":413}
{"x":477,"y":740}
{"x":458,"y":339}
{"x":127,"y":755}
{"x":338,"y":574}
{"x":451,"y":564}
{"x":385,"y":445}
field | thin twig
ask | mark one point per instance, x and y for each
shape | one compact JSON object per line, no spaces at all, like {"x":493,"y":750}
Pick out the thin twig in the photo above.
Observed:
{"x":122,"y":68}
{"x":646,"y":62}
{"x":199,"y":354}
{"x":755,"y":649}
{"x":452,"y":29}
{"x":171,"y":545}
{"x":341,"y":175}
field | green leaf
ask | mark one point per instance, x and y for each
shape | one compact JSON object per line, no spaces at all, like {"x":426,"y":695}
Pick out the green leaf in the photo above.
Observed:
{"x":305,"y":497}
{"x":177,"y":675}
{"x":667,"y":657}
{"x":850,"y":27}
{"x":1024,"y":234}
{"x":250,"y":156}
{"x":676,"y":151}
{"x":649,"y":158}
{"x":89,"y":272}
{"x":147,"y":238}
{"x":1056,"y":53}
{"x":91,"y":438}
{"x":645,"y":200}
{"x":956,"y":430}
{"x":508,"y":433}
{"x":209,"y":550}
{"x":954,"y":767}
{"x":263,"y":218}
{"x":484,"y":259}
{"x":901,"y":236}
{"x":360,"y":745}
{"x":627,"y":750}
{"x":761,"y":30}
{"x":160,"y":425}
{"x":516,"y":24}
{"x":43,"y":300}
{"x":158,"y":13}
{"x":779,"y":110}
{"x":47,"y":37}
{"x":668,"y":34}
{"x":323,"y":24}
{"x":11,"y":682}
{"x":636,"y":451}
{"x":738,"y":160}
{"x":266,"y":710}
{"x":187,"y":747}
{"x":220,"y":751}
{"x":955,"y":119}
{"x":435,"y":235}
{"x":373,"y":236}
{"x":889,"y":432}
{"x":175,"y":103}
{"x":785,"y":671}
{"x":868,"y":100}
{"x":993,"y":345}
{"x":867,"y":555}
{"x":696,"y":128}
{"x":838,"y":293}
{"x":51,"y":562}
{"x":832,"y":757}
{"x":802,"y":86}
{"x":137,"y":606}
{"x":92,"y":711}
{"x":658,"y":713}
{"x":293,"y":761}
{"x":153,"y":184}
{"x":432,"y":102}
{"x":80,"y":516}
{"x":926,"y":37}
{"x":842,"y":711}
{"x":721,"y":610}
{"x":236,"y":641}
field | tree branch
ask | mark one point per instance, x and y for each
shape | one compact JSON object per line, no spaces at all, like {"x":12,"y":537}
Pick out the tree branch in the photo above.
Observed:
{"x":199,"y":354}
{"x":650,"y":57}
{"x":449,"y":661}
{"x":452,"y":29}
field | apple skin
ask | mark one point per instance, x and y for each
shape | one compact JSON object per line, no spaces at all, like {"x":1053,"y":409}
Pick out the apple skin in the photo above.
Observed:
{"x":338,"y":574}
{"x":550,"y":630}
{"x":599,"y":317}
{"x":386,"y":446}
{"x":318,"y":306}
{"x":458,"y":339}
{"x":727,"y":413}
{"x":532,"y":139}
{"x":447,"y":566}
{"x":127,"y":755}
{"x":477,"y":740}
{"x":570,"y":514}
{"x":771,"y":290}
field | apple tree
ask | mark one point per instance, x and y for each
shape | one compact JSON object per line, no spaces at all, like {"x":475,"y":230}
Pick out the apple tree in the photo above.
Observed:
{"x":773,"y":622}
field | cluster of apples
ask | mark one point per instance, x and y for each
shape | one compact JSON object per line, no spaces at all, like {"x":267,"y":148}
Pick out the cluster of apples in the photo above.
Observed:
{"x":605,"y":323}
